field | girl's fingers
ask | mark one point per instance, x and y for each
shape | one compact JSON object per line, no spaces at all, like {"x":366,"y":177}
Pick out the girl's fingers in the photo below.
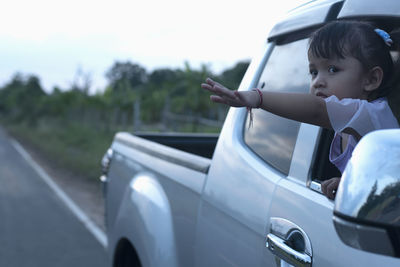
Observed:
{"x":329,"y":187}
{"x":210,"y":81}
{"x":218,"y":90}
{"x":210,"y":86}
{"x":331,"y":191}
{"x":206,"y":86}
{"x":213,"y":83}
{"x":324,"y":184}
{"x":216,"y":98}
{"x":222,"y":94}
{"x":222,"y":91}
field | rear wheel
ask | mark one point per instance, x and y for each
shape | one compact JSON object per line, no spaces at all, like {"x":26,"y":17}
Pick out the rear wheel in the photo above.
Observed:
{"x":125,"y":255}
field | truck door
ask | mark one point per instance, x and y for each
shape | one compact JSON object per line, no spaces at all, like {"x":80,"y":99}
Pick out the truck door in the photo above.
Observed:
{"x":300,"y":218}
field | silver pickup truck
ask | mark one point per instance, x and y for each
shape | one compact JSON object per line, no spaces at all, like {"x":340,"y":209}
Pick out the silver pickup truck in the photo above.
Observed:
{"x":251,"y":197}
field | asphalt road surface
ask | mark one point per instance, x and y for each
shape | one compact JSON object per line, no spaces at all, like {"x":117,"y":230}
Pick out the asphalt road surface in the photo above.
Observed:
{"x":36,"y":227}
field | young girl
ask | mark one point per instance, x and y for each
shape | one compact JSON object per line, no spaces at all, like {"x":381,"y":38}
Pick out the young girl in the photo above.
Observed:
{"x":352,"y":72}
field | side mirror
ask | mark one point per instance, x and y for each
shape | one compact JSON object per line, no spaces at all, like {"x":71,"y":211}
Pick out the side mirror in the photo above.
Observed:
{"x":367,"y":206}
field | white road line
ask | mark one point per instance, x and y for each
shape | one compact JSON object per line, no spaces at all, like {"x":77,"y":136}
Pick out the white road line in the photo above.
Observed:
{"x":92,"y":227}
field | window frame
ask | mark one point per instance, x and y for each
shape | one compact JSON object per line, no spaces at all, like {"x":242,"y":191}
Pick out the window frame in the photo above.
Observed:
{"x":300,"y":172}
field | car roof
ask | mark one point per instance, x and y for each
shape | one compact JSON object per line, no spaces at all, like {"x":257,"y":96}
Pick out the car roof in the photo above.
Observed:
{"x":317,"y":12}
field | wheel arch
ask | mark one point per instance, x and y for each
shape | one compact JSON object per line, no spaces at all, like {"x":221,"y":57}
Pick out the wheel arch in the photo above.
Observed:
{"x":125,"y":255}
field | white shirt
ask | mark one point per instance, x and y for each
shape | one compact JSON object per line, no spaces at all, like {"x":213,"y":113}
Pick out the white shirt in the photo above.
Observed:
{"x":359,"y":115}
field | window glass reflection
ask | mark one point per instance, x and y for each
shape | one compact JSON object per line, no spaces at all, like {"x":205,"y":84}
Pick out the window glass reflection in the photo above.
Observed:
{"x":273,"y":138}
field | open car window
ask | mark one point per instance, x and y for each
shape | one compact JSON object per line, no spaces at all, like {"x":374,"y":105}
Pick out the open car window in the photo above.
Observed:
{"x":271,"y":137}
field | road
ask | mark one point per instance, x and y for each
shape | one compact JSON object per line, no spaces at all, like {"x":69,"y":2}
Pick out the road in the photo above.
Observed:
{"x":36,"y":227}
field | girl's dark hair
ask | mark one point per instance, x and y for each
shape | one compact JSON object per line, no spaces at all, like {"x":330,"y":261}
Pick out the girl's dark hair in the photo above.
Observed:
{"x":359,"y":40}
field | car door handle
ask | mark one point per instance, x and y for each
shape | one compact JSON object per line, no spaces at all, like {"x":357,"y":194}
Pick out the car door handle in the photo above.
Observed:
{"x":289,"y":243}
{"x":282,"y":250}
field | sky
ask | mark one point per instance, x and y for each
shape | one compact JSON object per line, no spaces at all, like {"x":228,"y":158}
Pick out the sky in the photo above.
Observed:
{"x":60,"y":41}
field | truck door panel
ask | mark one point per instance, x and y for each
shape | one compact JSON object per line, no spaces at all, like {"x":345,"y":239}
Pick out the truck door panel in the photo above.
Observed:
{"x":313,"y":212}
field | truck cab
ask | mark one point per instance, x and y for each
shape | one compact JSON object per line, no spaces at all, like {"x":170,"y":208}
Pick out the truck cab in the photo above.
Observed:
{"x":257,"y":201}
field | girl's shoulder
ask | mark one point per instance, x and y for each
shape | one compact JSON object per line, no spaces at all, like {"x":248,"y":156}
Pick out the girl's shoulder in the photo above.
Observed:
{"x":361,"y":115}
{"x":352,"y":104}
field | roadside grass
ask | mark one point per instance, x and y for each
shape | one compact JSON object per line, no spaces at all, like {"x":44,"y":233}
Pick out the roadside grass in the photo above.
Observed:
{"x":77,"y":148}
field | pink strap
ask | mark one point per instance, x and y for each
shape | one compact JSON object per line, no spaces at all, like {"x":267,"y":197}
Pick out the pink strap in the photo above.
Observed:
{"x":261,"y":97}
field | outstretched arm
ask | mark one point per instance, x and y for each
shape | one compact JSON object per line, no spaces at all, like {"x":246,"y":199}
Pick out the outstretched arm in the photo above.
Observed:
{"x":296,"y":106}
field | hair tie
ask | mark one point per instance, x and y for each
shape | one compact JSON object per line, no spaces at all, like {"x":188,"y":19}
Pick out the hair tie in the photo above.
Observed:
{"x":385,"y":36}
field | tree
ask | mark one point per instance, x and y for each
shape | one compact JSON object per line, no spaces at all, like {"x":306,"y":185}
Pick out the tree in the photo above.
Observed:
{"x":126,"y":76}
{"x":186,"y":96}
{"x":162,"y":76}
{"x":82,"y":81}
{"x":20,"y":97}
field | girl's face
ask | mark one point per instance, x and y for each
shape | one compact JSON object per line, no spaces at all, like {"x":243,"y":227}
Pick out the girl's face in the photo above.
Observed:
{"x":344,"y":78}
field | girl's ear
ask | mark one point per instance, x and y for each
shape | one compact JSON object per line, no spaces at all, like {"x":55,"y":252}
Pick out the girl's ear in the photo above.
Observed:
{"x":374,"y":79}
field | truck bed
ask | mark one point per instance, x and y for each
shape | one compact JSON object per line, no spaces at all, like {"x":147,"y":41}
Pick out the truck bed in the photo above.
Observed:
{"x":199,"y":144}
{"x":182,"y":151}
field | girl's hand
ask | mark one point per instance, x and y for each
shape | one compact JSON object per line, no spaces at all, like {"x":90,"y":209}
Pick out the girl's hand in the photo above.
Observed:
{"x":329,"y":187}
{"x":223,"y":95}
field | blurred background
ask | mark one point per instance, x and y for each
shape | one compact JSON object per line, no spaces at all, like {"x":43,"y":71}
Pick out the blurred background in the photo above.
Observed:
{"x":73,"y":73}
